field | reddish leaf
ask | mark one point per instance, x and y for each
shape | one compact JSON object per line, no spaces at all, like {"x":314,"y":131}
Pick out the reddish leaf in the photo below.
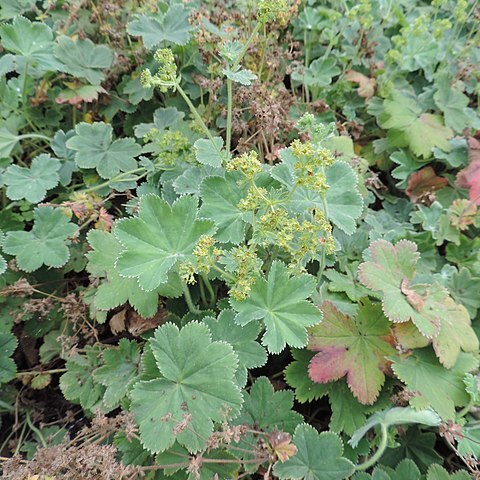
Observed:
{"x":77,"y":94}
{"x":366,"y":85}
{"x":424,"y":182}
{"x":469,"y":177}
{"x":355,"y":347}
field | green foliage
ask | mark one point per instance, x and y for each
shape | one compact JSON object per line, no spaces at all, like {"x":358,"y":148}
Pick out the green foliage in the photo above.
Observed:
{"x":45,"y":244}
{"x":269,"y":410}
{"x":182,"y":403}
{"x":8,"y":368}
{"x":171,"y":27}
{"x":243,"y":340}
{"x":433,"y":385}
{"x":408,"y":126}
{"x":280,"y":301}
{"x":119,"y":371}
{"x":158,"y":239}
{"x":95,"y":149}
{"x":84,"y":59}
{"x":308,"y":464}
{"x":201,"y":197}
{"x":32,"y":183}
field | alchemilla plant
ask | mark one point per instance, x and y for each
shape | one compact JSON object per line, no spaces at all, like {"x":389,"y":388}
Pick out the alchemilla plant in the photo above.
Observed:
{"x":239,"y":239}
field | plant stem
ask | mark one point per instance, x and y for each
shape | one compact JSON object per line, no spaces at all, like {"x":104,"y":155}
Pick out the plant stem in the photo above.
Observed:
{"x":34,"y":135}
{"x":246,"y":45}
{"x":465,"y":409}
{"x":211,"y":292}
{"x":202,"y":292}
{"x":37,"y":431}
{"x":186,"y":293}
{"x":198,"y":118}
{"x":229,"y":114}
{"x":380,"y":451}
{"x":44,"y":372}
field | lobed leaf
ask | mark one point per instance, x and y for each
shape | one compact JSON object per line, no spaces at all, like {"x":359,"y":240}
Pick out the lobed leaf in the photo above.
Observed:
{"x":158,"y":238}
{"x":356,"y":347}
{"x":280,"y":301}
{"x":187,"y":359}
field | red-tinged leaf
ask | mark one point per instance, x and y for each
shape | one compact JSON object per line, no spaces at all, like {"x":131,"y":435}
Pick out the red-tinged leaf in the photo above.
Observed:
{"x":424,"y":182}
{"x":78,"y":94}
{"x":355,"y":347}
{"x":455,"y":333}
{"x":469,"y":177}
{"x":366,"y":85}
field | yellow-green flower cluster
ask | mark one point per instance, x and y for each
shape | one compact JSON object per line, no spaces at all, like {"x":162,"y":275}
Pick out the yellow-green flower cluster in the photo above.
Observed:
{"x":460,"y":12}
{"x":273,"y":10}
{"x":170,"y":146}
{"x":310,"y":165}
{"x":206,"y":254}
{"x":246,"y":268}
{"x":362,"y":12}
{"x":440,"y":27}
{"x":187,"y":272}
{"x":246,"y":163}
{"x":166,"y":76}
{"x":302,"y":240}
{"x":254,"y":200}
{"x":316,"y":156}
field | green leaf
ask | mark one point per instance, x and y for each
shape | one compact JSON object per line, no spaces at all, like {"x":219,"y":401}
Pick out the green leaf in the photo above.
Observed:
{"x":269,"y":410}
{"x":207,"y":154}
{"x":3,"y":262}
{"x":355,"y":347}
{"x":11,"y":8}
{"x":464,"y":289}
{"x":240,"y":75}
{"x":115,"y":290}
{"x":220,"y":197}
{"x":456,"y":332}
{"x":191,"y":179}
{"x":45,"y":244}
{"x":407,"y":164}
{"x":453,"y":104}
{"x":406,"y":470}
{"x":8,"y":141}
{"x":32,"y":42}
{"x":296,"y":375}
{"x":119,"y":371}
{"x":243,"y":340}
{"x":95,"y":149}
{"x":8,"y":367}
{"x":32,"y":183}
{"x":78,"y":384}
{"x":319,"y":73}
{"x":319,"y":457}
{"x":280,"y":301}
{"x":158,"y":238}
{"x":188,"y":361}
{"x":396,"y":416}
{"x":436,"y":472}
{"x":348,"y":283}
{"x":172,"y":27}
{"x":348,"y":414}
{"x":410,"y":127}
{"x":416,"y":445}
{"x":344,"y":202}
{"x":433,"y":384}
{"x":83,"y":59}
{"x":391,"y":270}
{"x":469,"y":441}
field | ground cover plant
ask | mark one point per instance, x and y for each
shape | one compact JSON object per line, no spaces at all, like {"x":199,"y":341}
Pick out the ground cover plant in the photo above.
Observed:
{"x":239,"y":239}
